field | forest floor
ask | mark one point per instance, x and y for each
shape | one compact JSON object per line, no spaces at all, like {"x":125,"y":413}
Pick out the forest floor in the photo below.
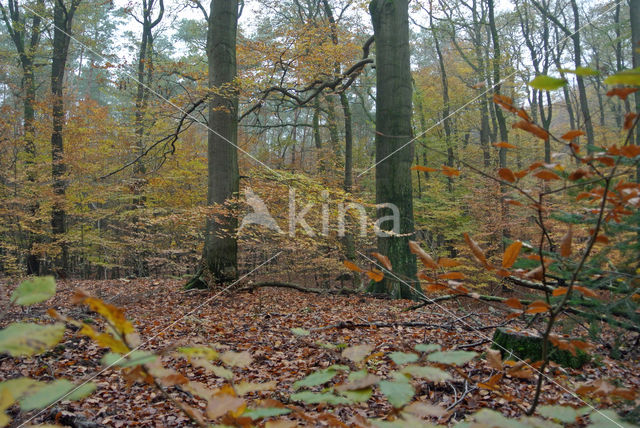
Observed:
{"x":260,"y":322}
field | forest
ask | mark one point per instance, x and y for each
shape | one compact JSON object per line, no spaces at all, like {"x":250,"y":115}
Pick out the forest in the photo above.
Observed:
{"x":324,"y":213}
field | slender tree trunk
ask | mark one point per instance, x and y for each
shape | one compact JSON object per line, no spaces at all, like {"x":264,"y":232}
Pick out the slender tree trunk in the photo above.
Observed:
{"x":62,"y":20}
{"x":390,"y":20}
{"x":634,"y":12}
{"x":221,"y":247}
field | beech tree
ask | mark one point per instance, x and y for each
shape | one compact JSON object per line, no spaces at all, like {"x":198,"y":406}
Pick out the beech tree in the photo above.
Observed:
{"x":394,"y":155}
{"x":221,"y":246}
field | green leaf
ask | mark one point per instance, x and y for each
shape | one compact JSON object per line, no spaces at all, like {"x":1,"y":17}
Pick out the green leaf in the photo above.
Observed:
{"x":581,"y":71}
{"x":316,"y":378}
{"x":625,"y":77}
{"x":547,"y":83}
{"x":398,"y":392}
{"x":54,"y":391}
{"x":21,"y":386}
{"x":357,"y":353}
{"x":34,"y":290}
{"x":316,"y":398}
{"x":491,"y":418}
{"x":561,"y":413}
{"x":427,"y":347}
{"x":135,"y":358}
{"x":358,"y":395}
{"x":403,"y":357}
{"x":454,"y":358}
{"x":300,"y":331}
{"x":265,"y":412}
{"x":432,"y":374}
{"x":25,"y":339}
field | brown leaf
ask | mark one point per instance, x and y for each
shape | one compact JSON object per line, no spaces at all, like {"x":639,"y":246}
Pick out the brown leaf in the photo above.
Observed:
{"x":504,"y":145}
{"x":352,"y":266}
{"x":375,"y":275}
{"x":629,"y":120}
{"x":586,"y":291}
{"x":447,"y":262}
{"x":425,"y":258}
{"x":507,"y":175}
{"x":384,"y":260}
{"x":565,"y":243}
{"x":532,"y":128}
{"x":494,"y":358}
{"x":221,"y":404}
{"x":511,"y":254}
{"x":476,"y":250}
{"x":630,"y":151}
{"x":546,"y":175}
{"x":514,"y":303}
{"x":537,"y":307}
{"x":622,"y":93}
{"x":560,"y":291}
{"x":452,"y":275}
{"x":572,"y":134}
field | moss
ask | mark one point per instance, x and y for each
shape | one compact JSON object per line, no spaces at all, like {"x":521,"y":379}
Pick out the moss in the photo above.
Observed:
{"x":523,"y":347}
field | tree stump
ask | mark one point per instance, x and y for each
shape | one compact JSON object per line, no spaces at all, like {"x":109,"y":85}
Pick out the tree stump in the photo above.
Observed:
{"x":529,"y":346}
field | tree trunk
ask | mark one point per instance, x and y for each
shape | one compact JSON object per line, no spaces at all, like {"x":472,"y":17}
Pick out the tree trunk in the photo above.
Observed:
{"x":634,"y":12}
{"x":62,"y":21}
{"x":390,"y":19}
{"x":221,"y":247}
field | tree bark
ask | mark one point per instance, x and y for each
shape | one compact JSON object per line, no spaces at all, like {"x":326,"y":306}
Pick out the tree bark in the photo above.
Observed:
{"x":62,"y":21}
{"x":390,"y":19}
{"x":221,"y":247}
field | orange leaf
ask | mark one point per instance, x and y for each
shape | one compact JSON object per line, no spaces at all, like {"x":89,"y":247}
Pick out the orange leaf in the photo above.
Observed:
{"x":560,"y":291}
{"x":452,"y":275}
{"x":630,"y":151}
{"x":514,"y":303}
{"x":504,"y":145}
{"x":513,"y":202}
{"x":629,"y":119}
{"x":512,"y":316}
{"x":476,"y":250}
{"x":578,"y":174}
{"x":447,"y":262}
{"x":436,"y":287}
{"x":425,"y":258}
{"x":507,"y":175}
{"x":384,"y":260}
{"x":532,"y":128}
{"x":461,"y":289}
{"x":375,"y":275}
{"x":423,"y":168}
{"x":425,"y":277}
{"x":572,"y":134}
{"x":565,"y":243}
{"x":546,"y":175}
{"x":504,"y":102}
{"x":535,"y":273}
{"x":606,"y":160}
{"x":586,"y":291}
{"x":352,"y":266}
{"x":535,"y":165}
{"x":520,"y":174}
{"x":503,"y":273}
{"x":511,"y":254}
{"x":602,"y":239}
{"x":623,"y":93}
{"x":537,"y":307}
{"x":524,"y":115}
{"x":450,"y":172}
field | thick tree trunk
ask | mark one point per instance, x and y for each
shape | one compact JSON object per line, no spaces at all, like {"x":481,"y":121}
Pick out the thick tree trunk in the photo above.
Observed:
{"x":62,"y":20}
{"x":221,"y":247}
{"x":390,"y":20}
